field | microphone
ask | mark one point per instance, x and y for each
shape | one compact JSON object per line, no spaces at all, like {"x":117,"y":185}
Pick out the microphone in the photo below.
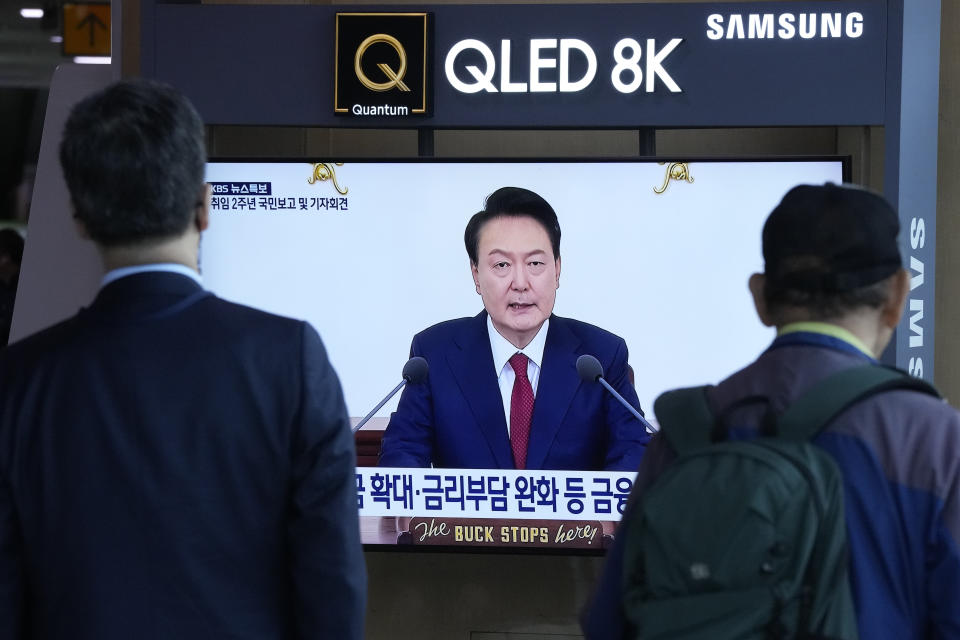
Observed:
{"x":591,"y":370}
{"x":414,"y":371}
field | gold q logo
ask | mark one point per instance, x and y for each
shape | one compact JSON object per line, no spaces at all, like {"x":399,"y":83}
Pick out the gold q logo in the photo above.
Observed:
{"x":395,"y":77}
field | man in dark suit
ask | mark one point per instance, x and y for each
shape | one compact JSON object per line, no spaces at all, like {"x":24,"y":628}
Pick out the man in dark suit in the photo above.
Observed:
{"x":503,"y":389}
{"x":172,"y":465}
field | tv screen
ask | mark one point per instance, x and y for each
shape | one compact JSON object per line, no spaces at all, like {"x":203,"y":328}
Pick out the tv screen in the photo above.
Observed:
{"x":371,"y":253}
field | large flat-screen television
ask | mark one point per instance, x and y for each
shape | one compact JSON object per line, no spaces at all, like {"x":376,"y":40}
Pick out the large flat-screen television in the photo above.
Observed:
{"x":372,"y":252}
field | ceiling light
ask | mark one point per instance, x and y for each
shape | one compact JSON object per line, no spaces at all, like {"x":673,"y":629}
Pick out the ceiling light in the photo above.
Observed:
{"x":92,"y":59}
{"x":56,"y":39}
{"x":31,"y":13}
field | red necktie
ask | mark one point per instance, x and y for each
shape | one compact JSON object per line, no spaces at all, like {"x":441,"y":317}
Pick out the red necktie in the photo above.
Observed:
{"x":521,"y":411}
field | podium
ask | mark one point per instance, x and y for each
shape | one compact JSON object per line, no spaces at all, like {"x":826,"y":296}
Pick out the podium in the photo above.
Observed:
{"x":367,"y":442}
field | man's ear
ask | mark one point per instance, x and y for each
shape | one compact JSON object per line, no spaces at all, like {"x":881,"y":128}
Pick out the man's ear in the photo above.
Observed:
{"x":476,"y":279}
{"x":202,"y":210}
{"x":892,"y":309}
{"x":558,"y":272}
{"x":755,"y":284}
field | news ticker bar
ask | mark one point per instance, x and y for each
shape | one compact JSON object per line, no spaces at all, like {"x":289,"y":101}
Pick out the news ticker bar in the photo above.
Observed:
{"x":493,"y":493}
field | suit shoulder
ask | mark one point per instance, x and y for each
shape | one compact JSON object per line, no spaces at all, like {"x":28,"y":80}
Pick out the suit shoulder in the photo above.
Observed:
{"x":44,"y":341}
{"x":251,"y":315}
{"x":251,"y":328}
{"x":447,"y":328}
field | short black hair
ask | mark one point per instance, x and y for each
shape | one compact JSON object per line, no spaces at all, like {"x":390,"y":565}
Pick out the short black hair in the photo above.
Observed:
{"x":133,"y":156}
{"x":514,"y":202}
{"x":825,"y":305}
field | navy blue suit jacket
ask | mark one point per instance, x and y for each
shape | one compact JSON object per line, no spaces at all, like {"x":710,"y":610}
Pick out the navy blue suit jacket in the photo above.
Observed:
{"x":173,"y":465}
{"x":456,"y":417}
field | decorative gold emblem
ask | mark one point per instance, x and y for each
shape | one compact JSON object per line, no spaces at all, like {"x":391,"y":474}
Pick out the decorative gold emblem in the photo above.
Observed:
{"x":675,"y":171}
{"x":396,"y":77}
{"x":323,"y":171}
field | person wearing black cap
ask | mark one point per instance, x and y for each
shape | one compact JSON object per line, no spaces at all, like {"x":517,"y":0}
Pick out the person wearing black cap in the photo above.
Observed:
{"x":834,"y":288}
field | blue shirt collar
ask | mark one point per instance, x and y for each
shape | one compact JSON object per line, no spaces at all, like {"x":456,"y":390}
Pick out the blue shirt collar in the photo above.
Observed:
{"x":817,"y":339}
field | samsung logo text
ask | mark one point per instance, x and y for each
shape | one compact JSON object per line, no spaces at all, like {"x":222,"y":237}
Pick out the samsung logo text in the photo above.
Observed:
{"x":784,"y":26}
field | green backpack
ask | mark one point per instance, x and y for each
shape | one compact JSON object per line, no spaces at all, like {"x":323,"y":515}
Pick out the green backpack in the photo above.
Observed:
{"x":744,"y":539}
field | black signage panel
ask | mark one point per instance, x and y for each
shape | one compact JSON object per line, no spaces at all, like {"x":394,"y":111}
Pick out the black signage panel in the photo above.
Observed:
{"x":382,"y":64}
{"x":663,"y":65}
{"x":622,"y":65}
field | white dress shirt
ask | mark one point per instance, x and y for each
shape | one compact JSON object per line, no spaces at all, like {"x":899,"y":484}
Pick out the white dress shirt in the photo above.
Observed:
{"x":503,"y":351}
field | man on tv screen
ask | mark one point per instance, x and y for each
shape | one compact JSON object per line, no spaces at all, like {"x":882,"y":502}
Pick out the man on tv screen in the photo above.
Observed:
{"x":503,"y":390}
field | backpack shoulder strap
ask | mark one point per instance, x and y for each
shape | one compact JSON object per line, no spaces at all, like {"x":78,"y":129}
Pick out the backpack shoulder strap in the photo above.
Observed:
{"x":806,"y":417}
{"x":685,"y":418}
